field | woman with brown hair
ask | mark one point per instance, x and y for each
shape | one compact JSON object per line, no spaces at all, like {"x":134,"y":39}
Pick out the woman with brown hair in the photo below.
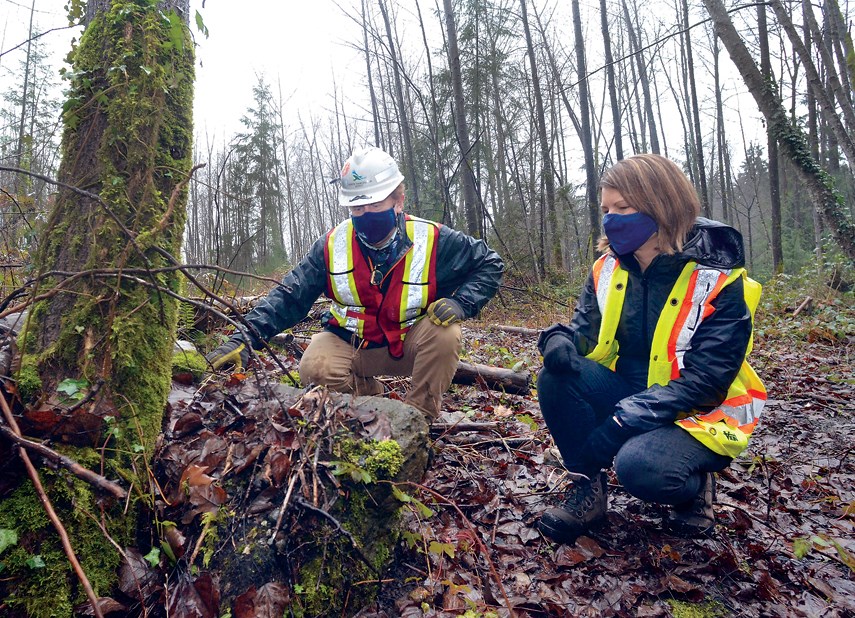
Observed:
{"x":651,"y":373}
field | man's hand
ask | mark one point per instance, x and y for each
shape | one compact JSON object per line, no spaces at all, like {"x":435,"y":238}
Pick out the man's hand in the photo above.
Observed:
{"x":444,"y":312}
{"x":232,"y":352}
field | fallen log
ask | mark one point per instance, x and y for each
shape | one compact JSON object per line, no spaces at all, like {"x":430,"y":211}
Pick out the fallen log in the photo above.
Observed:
{"x":520,"y":330}
{"x":494,"y":378}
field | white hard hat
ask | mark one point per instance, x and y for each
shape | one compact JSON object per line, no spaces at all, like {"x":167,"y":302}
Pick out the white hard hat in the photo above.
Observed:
{"x":368,"y":176}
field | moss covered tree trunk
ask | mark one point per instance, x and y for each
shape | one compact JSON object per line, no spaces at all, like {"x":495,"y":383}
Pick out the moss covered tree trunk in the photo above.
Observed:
{"x":97,"y":348}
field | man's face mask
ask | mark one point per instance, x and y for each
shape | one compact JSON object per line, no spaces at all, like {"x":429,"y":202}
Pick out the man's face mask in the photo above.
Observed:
{"x":373,"y":227}
{"x":626,"y":233}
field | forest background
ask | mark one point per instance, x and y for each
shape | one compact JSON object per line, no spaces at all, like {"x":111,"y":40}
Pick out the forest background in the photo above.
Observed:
{"x":502,"y":115}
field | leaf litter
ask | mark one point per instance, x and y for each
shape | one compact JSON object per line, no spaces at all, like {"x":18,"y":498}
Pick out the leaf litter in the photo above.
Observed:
{"x":783,"y":546}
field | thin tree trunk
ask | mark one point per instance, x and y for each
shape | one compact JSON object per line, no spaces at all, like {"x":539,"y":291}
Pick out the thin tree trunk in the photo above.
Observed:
{"x":610,"y":76}
{"x":402,"y":109}
{"x":587,"y":146}
{"x":470,"y":199}
{"x":546,"y":176}
{"x":696,"y":116}
{"x":774,"y":182}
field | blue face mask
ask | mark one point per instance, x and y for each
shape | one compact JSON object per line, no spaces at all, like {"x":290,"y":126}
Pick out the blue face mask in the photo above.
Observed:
{"x":372,"y":227}
{"x":627,"y":233}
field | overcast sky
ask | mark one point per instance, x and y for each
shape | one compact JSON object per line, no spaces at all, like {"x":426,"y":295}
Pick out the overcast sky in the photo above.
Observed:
{"x":299,"y":44}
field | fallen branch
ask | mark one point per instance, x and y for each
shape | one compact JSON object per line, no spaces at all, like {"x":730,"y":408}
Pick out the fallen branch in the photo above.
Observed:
{"x":66,"y":462}
{"x":520,"y":330}
{"x":805,"y":305}
{"x":48,"y":507}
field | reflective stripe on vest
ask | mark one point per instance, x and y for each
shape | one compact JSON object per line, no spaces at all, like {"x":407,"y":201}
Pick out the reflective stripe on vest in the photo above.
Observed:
{"x":359,"y":307}
{"x":726,"y":429}
{"x":346,"y":303}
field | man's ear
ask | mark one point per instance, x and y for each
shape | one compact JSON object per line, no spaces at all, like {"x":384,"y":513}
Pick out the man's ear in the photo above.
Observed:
{"x":399,"y":204}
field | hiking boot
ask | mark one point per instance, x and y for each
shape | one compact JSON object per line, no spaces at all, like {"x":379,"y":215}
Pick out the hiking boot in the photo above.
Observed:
{"x":584,"y":507}
{"x":696,"y":517}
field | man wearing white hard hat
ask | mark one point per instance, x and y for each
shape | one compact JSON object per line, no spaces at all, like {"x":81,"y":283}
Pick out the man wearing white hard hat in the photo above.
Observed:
{"x":384,"y":272}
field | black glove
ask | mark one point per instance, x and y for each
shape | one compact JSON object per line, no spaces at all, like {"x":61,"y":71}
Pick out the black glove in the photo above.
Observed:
{"x":445,"y":311}
{"x":232,"y":352}
{"x":602,"y":445}
{"x":559,"y":351}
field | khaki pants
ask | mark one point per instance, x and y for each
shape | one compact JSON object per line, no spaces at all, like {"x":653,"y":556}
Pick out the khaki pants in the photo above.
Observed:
{"x":430,"y":357}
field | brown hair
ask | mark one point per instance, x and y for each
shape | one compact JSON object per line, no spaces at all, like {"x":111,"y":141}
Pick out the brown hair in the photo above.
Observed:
{"x":654,"y":185}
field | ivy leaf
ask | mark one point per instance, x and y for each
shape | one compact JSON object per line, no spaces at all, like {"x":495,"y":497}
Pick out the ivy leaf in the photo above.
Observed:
{"x":153,"y":557}
{"x":200,"y":25}
{"x":7,"y":539}
{"x":72,"y":389}
{"x":36,"y":562}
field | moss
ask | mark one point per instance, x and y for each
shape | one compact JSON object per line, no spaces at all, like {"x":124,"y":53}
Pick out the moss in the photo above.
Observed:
{"x":52,"y":590}
{"x":28,"y":380}
{"x":707,"y":609}
{"x":185,"y":362}
{"x":370,"y":513}
{"x":383,"y":459}
{"x":131,"y":91}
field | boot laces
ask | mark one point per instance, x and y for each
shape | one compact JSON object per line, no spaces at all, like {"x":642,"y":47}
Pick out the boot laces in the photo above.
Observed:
{"x":580,"y":498}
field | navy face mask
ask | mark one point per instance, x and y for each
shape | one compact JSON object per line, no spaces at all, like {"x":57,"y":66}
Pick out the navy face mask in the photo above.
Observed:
{"x":627,"y":233}
{"x":372,"y":227}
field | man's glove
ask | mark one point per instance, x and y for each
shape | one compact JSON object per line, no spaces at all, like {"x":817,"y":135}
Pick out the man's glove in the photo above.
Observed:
{"x":603,"y":444}
{"x":444,"y":312}
{"x":559,"y":351}
{"x":232,"y":352}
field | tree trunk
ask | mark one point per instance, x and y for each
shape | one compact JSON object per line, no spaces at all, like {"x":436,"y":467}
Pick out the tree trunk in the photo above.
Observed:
{"x":127,"y":150}
{"x":470,"y":196}
{"x":546,"y":175}
{"x":610,"y":76}
{"x":790,"y":138}
{"x":774,"y":179}
{"x":696,"y":116}
{"x":585,"y":134}
{"x":402,"y":109}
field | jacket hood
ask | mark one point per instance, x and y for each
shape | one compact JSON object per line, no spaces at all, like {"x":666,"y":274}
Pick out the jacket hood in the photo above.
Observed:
{"x":715,"y":244}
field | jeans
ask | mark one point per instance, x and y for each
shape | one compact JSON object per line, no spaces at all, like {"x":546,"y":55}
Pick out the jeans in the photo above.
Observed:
{"x":666,"y":465}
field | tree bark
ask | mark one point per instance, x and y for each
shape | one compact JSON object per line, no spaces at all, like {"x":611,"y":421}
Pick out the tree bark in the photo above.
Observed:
{"x":772,"y":145}
{"x":546,"y":176}
{"x":791,"y":139}
{"x":470,"y":194}
{"x":586,"y":135}
{"x":698,"y":146}
{"x":610,"y":76}
{"x":127,"y":155}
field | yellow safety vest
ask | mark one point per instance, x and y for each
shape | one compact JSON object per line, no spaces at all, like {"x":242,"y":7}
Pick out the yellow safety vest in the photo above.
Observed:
{"x":365,"y":309}
{"x":726,"y":429}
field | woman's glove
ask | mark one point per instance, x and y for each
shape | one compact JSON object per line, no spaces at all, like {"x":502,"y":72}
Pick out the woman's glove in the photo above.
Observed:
{"x":603,"y":444}
{"x":559,"y":351}
{"x":444,"y":312}
{"x":232,"y":352}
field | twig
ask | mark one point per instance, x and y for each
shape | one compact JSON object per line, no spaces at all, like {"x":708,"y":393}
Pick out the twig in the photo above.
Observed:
{"x":484,"y":551}
{"x":48,"y":507}
{"x":805,"y":303}
{"x":69,"y":464}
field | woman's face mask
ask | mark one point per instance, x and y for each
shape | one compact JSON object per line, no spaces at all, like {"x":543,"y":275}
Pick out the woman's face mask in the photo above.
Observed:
{"x":373,"y":227}
{"x":626,"y":233}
